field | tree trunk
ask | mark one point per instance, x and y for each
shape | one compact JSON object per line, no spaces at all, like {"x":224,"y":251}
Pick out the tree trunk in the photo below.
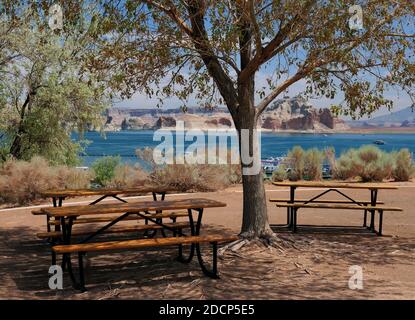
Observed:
{"x":255,"y":218}
{"x":16,"y":146}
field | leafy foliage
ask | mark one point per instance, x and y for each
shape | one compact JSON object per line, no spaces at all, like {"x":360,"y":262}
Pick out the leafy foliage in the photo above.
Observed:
{"x":46,"y":92}
{"x":104,"y":169}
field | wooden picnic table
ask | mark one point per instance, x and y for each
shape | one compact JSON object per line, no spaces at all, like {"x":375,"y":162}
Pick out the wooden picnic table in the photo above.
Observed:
{"x":68,"y":214}
{"x":59,"y":195}
{"x":335,"y":187}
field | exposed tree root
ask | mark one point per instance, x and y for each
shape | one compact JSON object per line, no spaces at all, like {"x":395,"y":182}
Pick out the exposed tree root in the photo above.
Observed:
{"x":266,"y":239}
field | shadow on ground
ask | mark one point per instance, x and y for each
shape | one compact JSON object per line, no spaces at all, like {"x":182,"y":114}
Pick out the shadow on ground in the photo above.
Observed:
{"x":314,"y":264}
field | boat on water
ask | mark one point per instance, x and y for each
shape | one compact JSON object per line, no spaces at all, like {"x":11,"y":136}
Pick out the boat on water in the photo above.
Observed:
{"x":269,"y":165}
{"x":379,"y":142}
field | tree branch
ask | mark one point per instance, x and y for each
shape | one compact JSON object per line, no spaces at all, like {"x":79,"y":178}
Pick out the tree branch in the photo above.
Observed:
{"x":202,"y":45}
{"x":269,"y":51}
{"x":172,"y":12}
{"x":277,"y":91}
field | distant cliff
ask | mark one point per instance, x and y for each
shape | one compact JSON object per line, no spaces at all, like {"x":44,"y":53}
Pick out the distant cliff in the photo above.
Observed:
{"x":286,"y":114}
{"x":404,"y":118}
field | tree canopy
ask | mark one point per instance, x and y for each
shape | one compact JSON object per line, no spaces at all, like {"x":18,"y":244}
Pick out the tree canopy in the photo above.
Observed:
{"x":204,"y":48}
{"x":46,"y":92}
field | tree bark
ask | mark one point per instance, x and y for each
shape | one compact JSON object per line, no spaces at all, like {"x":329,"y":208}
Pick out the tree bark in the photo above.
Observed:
{"x":16,"y":146}
{"x":255,"y":217}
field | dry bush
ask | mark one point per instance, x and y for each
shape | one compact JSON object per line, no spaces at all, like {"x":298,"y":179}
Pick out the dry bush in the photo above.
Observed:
{"x":377,"y":165}
{"x":72,"y":178}
{"x":403,"y":165}
{"x":280,"y":174}
{"x":313,"y":164}
{"x":191,"y":177}
{"x":346,"y":167}
{"x":127,"y":176}
{"x":295,"y":161}
{"x":21,"y":182}
{"x":369,"y":163}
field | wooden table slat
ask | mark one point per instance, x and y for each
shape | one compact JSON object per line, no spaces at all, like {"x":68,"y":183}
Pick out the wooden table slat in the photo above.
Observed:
{"x":132,"y":207}
{"x":346,"y":185}
{"x":108,"y":192}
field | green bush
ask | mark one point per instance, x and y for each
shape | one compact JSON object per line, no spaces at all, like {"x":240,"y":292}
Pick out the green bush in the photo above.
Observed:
{"x":403,"y":165}
{"x":104,"y":169}
{"x":313,"y":164}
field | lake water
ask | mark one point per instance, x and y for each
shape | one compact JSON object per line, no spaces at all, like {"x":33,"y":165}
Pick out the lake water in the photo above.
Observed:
{"x":124,"y":143}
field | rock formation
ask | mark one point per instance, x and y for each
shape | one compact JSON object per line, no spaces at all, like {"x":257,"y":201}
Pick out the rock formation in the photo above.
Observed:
{"x":284,"y":114}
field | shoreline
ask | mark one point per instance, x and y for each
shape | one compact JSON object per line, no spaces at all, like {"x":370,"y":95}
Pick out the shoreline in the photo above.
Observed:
{"x":350,"y":131}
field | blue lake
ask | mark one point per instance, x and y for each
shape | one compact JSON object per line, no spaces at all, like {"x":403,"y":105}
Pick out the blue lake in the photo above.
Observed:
{"x":124,"y":143}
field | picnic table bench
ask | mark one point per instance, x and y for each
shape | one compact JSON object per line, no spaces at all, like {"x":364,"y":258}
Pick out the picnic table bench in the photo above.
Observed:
{"x":348,"y":203}
{"x":69,"y":214}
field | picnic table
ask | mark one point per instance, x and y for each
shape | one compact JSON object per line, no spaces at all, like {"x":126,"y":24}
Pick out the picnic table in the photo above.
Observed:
{"x":348,"y":203}
{"x":148,"y":210}
{"x":58,"y":196}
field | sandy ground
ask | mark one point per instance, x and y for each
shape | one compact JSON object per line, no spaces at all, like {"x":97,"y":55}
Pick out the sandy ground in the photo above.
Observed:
{"x":315,"y":263}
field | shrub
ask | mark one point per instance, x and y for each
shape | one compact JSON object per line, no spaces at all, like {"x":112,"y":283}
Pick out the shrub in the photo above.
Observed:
{"x":280,"y":174}
{"x":313,"y":163}
{"x":190,"y":177}
{"x":376,"y":164}
{"x":403,"y":168}
{"x":347,"y":167}
{"x":72,"y":178}
{"x":127,"y":176}
{"x":22,"y":182}
{"x":369,"y":163}
{"x":104,"y":169}
{"x":295,"y":161}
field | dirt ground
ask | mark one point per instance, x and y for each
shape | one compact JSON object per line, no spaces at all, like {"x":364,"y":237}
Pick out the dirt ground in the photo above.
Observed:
{"x":314,"y":264}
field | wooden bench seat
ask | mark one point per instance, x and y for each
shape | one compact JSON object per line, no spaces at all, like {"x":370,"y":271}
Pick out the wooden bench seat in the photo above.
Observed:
{"x":324,"y":201}
{"x":175,"y":214}
{"x":139,"y":243}
{"x":126,"y":229}
{"x":194,"y":241}
{"x":379,"y":208}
